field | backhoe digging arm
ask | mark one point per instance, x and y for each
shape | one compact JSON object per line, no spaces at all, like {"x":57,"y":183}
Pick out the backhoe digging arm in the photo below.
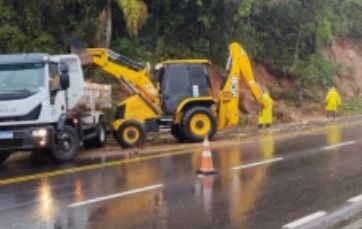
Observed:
{"x":238,"y":66}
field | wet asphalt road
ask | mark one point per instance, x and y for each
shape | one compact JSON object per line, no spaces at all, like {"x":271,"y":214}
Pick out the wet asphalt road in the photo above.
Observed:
{"x":294,"y":177}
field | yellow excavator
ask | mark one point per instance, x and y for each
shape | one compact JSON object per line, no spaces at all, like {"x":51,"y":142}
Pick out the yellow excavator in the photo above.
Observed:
{"x":181,"y":99}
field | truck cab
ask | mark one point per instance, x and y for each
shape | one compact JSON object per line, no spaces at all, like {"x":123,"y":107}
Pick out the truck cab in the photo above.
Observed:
{"x":38,"y":97}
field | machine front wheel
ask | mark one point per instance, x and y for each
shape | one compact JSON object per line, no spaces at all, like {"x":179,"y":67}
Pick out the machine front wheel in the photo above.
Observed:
{"x":130,"y":134}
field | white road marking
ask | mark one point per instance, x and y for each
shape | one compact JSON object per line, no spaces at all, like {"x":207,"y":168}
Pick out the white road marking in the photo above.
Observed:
{"x":338,"y":145}
{"x":257,"y":163}
{"x":117,"y":195}
{"x":355,"y":199}
{"x":304,"y":220}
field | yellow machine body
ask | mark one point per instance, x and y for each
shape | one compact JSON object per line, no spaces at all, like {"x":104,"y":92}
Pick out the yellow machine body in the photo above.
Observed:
{"x":194,"y":115}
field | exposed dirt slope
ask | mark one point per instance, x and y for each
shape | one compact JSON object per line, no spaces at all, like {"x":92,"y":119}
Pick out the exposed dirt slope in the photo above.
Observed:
{"x":348,"y":54}
{"x":286,"y":109}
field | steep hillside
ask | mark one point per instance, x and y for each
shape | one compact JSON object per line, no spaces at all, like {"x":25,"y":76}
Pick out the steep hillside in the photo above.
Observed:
{"x":287,"y":106}
{"x":293,"y":105}
{"x":347,"y":53}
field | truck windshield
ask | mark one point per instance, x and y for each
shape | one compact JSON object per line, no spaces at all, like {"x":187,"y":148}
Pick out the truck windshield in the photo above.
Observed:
{"x":21,"y":79}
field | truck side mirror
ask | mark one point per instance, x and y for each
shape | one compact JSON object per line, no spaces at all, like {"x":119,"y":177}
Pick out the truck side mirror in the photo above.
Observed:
{"x":64,"y":81}
{"x":64,"y":76}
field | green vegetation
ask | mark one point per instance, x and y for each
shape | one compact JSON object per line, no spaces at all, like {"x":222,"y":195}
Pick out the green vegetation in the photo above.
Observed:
{"x":287,"y":35}
{"x":316,"y":69}
{"x":353,"y":106}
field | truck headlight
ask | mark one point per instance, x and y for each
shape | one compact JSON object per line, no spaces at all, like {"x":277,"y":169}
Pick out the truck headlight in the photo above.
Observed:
{"x":40,"y":133}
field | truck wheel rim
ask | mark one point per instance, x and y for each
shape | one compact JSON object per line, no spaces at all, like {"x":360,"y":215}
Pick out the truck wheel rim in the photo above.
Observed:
{"x":131,"y":134}
{"x":102,"y":134}
{"x":67,"y":143}
{"x":200,"y":124}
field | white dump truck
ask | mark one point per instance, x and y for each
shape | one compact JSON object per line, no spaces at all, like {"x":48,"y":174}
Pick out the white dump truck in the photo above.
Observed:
{"x":46,"y":106}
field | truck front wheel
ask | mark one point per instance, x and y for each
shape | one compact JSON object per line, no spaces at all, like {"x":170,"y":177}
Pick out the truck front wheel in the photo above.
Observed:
{"x":66,"y":146}
{"x":4,"y":156}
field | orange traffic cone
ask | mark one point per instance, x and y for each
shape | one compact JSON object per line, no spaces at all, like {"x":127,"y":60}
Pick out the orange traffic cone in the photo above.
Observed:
{"x":207,"y":165}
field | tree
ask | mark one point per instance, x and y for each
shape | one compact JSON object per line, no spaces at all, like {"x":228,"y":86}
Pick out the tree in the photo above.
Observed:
{"x":134,"y":13}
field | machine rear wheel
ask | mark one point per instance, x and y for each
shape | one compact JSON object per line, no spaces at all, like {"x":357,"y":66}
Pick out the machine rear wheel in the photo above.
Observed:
{"x":198,"y":122}
{"x":130,"y":134}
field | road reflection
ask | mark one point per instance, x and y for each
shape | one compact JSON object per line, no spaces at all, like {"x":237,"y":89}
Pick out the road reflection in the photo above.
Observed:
{"x":243,"y":186}
{"x":47,"y":206}
{"x":200,"y":195}
{"x":204,"y":187}
{"x":78,"y":190}
{"x":333,"y":134}
{"x":133,"y":208}
{"x":333,"y":137}
{"x":267,"y":145}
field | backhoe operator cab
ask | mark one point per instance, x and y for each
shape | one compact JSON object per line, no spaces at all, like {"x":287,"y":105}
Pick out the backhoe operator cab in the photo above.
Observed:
{"x":180,"y":81}
{"x":187,"y":99}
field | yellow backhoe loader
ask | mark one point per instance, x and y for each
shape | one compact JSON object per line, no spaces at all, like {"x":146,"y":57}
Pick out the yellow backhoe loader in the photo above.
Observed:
{"x":183,"y":99}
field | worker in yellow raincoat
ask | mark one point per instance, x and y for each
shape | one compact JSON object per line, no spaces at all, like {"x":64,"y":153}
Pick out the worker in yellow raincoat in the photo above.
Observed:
{"x":266,"y":114}
{"x":332,"y":101}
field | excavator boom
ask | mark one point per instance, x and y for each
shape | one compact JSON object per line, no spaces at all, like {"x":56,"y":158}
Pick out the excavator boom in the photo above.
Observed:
{"x":238,"y":66}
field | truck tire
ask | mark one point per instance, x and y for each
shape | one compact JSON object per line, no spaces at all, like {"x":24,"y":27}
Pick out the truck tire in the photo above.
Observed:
{"x":66,"y":146}
{"x":4,"y":156}
{"x":130,"y":134}
{"x":176,"y":132}
{"x":198,"y":122}
{"x":99,"y":140}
